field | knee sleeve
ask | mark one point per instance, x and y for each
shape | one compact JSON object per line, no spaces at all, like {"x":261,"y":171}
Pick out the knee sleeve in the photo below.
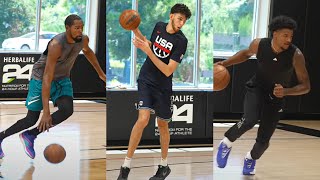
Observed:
{"x":65,"y":110}
{"x":31,"y":119}
{"x":258,"y":149}
{"x":65,"y":105}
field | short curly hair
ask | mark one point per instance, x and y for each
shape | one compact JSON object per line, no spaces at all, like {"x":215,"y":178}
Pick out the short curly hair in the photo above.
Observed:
{"x":70,"y":19}
{"x":282,"y":22}
{"x":181,"y":8}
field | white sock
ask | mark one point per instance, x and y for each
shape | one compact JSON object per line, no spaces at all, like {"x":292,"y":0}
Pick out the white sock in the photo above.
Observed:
{"x":226,"y":141}
{"x":127,"y":162}
{"x":248,"y":156}
{"x":164,"y":162}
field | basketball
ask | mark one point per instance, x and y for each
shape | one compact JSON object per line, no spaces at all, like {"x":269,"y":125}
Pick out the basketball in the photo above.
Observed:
{"x":221,"y":77}
{"x":54,"y":153}
{"x":129,"y":19}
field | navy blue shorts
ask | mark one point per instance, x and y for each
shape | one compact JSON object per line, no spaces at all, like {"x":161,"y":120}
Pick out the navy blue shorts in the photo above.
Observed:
{"x":156,"y":100}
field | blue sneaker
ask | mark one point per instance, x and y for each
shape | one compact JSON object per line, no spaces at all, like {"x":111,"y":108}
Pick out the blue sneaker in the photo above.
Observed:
{"x":223,"y":154}
{"x":248,"y":166}
{"x":1,"y":152}
{"x":28,"y":142}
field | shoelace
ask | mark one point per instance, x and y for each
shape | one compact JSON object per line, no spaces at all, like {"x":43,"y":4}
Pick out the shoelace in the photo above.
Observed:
{"x":249,"y":163}
{"x":225,"y":150}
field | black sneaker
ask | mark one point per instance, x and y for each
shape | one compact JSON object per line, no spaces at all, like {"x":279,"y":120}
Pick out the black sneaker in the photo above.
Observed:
{"x":162,"y":173}
{"x":124,"y":172}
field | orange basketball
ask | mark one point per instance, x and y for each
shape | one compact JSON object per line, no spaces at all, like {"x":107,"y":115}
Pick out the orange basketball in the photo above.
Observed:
{"x":129,"y":19}
{"x":221,"y":77}
{"x":54,"y":153}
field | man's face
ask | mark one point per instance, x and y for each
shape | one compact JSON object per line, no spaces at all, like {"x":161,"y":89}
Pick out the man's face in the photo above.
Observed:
{"x":177,"y":21}
{"x":76,"y":30}
{"x":283,"y":38}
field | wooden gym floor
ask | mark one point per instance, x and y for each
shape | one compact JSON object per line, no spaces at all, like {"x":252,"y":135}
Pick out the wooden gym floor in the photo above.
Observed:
{"x":185,"y":163}
{"x":293,"y":153}
{"x":82,"y":136}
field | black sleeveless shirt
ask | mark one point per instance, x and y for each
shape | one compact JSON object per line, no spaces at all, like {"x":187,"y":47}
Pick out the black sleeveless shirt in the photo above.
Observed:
{"x":273,"y":68}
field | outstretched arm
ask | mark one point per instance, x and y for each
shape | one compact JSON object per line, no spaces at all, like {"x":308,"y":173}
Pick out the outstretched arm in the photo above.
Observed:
{"x":242,"y":55}
{"x":87,"y":51}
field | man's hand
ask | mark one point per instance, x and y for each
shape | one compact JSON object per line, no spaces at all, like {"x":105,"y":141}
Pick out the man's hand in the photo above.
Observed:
{"x":45,"y":123}
{"x":278,"y":91}
{"x":142,"y":44}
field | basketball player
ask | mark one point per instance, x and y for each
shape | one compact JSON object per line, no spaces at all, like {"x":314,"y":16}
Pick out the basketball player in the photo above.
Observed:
{"x":50,"y":79}
{"x":165,"y":51}
{"x":278,"y":59}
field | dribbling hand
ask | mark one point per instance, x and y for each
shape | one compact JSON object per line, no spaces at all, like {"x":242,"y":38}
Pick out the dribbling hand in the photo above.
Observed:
{"x":45,"y":123}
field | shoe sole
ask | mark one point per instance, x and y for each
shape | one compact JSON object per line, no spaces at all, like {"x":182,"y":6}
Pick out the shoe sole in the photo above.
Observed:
{"x":24,"y":146}
{"x":249,"y":173}
{"x":224,"y":165}
{"x":169,"y":171}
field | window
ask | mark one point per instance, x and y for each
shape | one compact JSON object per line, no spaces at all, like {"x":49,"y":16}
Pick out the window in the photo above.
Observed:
{"x":232,"y":24}
{"x":20,"y":22}
{"x":205,"y":66}
{"x":119,"y":59}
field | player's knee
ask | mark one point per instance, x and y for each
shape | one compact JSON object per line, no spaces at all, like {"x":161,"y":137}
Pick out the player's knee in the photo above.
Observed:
{"x":65,"y":105}
{"x":247,"y":125}
{"x":67,"y":111}
{"x":31,"y":118}
{"x":162,"y":124}
{"x":142,"y":121}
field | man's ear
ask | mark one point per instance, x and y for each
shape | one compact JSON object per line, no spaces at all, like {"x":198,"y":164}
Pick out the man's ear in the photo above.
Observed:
{"x":171,"y":16}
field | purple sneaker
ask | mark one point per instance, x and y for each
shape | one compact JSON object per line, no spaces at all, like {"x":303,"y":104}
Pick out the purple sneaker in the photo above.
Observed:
{"x":1,"y":152}
{"x":28,"y":142}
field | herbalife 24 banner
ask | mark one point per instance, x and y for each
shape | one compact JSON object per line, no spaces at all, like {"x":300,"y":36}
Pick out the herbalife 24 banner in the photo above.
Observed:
{"x":16,"y":71}
{"x":189,"y":118}
{"x":189,"y":115}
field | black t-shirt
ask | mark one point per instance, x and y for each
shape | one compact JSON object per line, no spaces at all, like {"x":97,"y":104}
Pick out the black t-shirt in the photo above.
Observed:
{"x":165,"y":46}
{"x":273,"y":68}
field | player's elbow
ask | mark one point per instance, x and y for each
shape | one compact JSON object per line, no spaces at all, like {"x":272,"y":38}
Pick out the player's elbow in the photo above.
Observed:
{"x":168,"y":73}
{"x":307,"y":88}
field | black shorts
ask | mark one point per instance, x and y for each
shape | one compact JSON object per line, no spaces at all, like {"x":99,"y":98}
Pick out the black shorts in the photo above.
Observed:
{"x":156,"y":100}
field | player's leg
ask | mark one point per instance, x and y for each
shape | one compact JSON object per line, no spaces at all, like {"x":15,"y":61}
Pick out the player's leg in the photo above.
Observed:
{"x":24,"y":123}
{"x":62,"y":96}
{"x":145,"y":108}
{"x":268,"y":123}
{"x":34,"y":106}
{"x":252,"y":107}
{"x":163,"y":108}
